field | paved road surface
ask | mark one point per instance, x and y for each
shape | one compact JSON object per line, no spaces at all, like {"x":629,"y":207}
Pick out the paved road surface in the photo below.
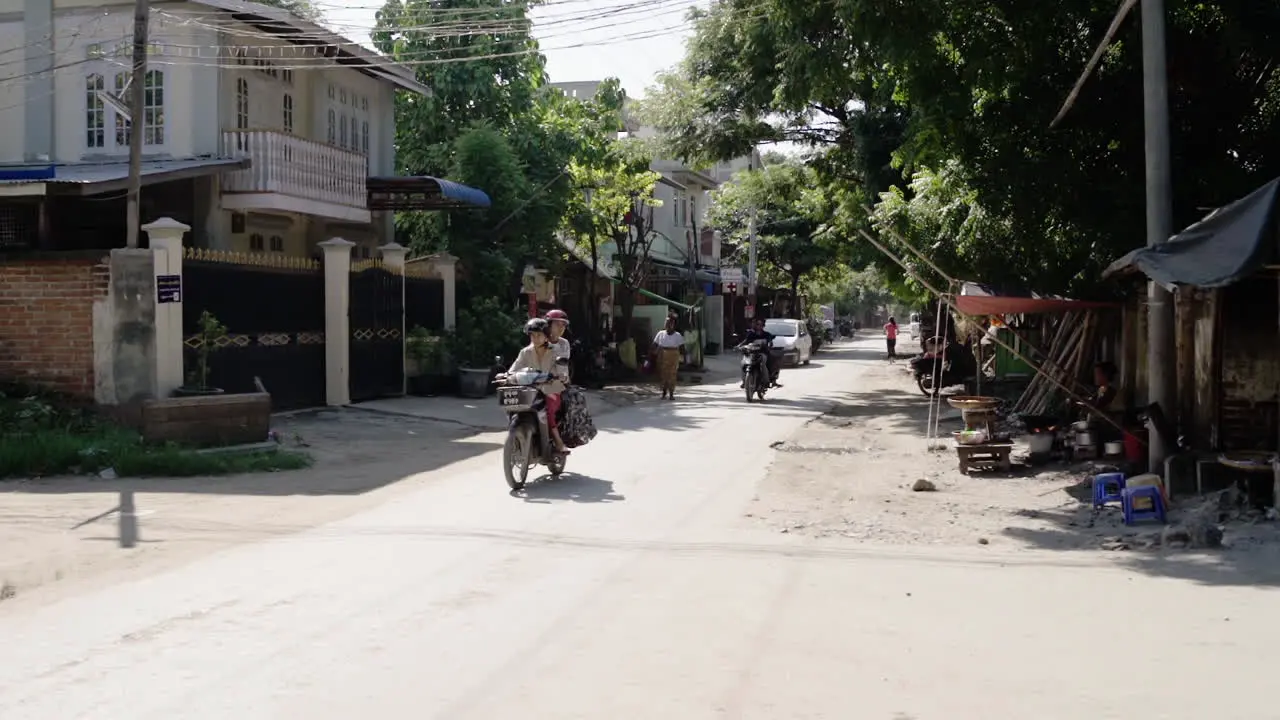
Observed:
{"x":633,"y":591}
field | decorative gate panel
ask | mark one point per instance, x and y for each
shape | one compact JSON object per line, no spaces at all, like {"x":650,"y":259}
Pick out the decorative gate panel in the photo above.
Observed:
{"x":273,"y":309}
{"x":377,"y":331}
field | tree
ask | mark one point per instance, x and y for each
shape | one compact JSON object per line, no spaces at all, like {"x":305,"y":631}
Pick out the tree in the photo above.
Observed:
{"x":614,"y":214}
{"x":858,"y":294}
{"x":492,"y":83}
{"x":965,"y":92}
{"x":793,"y":240}
{"x":304,"y":9}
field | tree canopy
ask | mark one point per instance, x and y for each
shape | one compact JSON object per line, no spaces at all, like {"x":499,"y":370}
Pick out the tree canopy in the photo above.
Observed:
{"x":794,"y":241}
{"x":490,"y":121}
{"x":954,"y":99}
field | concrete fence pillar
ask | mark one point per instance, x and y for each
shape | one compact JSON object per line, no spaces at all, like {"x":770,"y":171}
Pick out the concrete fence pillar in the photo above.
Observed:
{"x":337,"y":322}
{"x":446,"y":266}
{"x":165,"y":238}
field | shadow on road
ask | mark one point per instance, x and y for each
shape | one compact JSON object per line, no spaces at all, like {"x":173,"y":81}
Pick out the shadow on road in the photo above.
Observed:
{"x":569,"y":487}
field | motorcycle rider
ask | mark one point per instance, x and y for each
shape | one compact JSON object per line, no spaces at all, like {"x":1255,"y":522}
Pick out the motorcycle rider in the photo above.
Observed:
{"x":558,"y":323}
{"x":757,"y":332}
{"x":540,"y":355}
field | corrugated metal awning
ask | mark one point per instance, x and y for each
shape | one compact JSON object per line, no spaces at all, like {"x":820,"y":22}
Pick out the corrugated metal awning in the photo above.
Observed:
{"x":94,"y":178}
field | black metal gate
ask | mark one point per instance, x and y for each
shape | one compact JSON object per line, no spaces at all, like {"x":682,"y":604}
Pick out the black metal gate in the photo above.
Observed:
{"x":273,"y":311}
{"x":424,"y":303}
{"x":377,"y":332}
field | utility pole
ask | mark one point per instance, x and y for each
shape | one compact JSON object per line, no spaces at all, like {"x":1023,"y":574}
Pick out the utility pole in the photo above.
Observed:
{"x":751,"y":258}
{"x":137,"y":117}
{"x":1160,"y":318}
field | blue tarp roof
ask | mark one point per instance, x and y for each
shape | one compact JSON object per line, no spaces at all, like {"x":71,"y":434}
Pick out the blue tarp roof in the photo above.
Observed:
{"x":1229,"y":244}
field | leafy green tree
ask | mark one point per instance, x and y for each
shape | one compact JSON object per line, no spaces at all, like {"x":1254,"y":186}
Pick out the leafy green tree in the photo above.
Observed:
{"x":613,"y":215}
{"x":304,"y":9}
{"x":486,"y":87}
{"x":794,"y":241}
{"x":964,"y":92}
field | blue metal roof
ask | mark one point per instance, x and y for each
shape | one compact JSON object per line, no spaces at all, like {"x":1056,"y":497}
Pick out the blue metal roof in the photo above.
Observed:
{"x":420,"y":192}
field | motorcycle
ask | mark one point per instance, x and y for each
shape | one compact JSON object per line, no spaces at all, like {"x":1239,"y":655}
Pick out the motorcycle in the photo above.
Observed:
{"x":755,"y":368}
{"x":934,"y":371}
{"x":528,"y":432}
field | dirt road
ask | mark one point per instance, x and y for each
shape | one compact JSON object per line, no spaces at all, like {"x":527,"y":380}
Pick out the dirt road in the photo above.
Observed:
{"x":637,"y":588}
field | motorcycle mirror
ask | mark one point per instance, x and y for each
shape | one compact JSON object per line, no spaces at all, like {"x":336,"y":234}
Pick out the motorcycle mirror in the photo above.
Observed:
{"x":497,"y":359}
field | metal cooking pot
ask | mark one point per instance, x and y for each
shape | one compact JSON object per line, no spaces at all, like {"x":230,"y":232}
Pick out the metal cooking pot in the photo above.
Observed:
{"x":1113,"y":448}
{"x":1081,"y":426}
{"x":1084,"y":439}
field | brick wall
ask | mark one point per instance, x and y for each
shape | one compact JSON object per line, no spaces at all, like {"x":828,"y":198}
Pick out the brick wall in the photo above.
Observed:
{"x":46,"y":320}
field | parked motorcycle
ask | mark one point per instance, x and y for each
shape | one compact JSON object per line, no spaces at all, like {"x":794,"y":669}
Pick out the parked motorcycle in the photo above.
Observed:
{"x":933,"y":370}
{"x":528,"y":432}
{"x":755,"y":368}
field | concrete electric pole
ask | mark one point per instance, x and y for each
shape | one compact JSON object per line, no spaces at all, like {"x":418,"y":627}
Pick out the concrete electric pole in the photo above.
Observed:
{"x":1160,"y":317}
{"x":137,"y":118}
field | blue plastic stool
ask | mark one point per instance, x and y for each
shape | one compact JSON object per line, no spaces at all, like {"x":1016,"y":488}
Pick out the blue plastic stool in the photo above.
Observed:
{"x":1102,"y":488}
{"x":1132,"y":515}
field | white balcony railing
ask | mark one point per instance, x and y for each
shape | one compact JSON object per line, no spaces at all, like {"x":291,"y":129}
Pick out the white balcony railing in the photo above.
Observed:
{"x":289,"y":165}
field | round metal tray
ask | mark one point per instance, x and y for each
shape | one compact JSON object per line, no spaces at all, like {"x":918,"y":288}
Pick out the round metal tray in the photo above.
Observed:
{"x":1248,"y":460}
{"x":973,"y":402}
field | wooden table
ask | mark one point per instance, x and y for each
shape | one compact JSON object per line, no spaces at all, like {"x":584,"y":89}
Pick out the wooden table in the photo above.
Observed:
{"x":987,"y":456}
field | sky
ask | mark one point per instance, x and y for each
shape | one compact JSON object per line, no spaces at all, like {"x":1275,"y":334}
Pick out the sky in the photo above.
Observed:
{"x":632,"y":40}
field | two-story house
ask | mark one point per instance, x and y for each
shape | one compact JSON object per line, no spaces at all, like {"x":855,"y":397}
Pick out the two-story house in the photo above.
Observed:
{"x":264,"y":132}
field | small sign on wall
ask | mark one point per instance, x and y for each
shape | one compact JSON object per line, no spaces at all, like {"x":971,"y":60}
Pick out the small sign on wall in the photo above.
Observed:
{"x":168,"y":288}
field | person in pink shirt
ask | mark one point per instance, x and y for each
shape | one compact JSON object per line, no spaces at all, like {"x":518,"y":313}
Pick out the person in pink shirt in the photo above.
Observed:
{"x":891,"y":338}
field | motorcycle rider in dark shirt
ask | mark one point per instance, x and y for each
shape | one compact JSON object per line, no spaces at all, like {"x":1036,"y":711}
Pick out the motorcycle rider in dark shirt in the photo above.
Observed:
{"x":757,"y":332}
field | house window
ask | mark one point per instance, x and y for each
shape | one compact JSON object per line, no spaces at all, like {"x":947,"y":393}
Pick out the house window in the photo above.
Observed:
{"x":255,"y":242}
{"x":153,"y":108}
{"x":288,"y":113}
{"x":675,"y":210}
{"x":277,"y":244}
{"x":121,"y":125}
{"x":332,"y":130}
{"x":95,"y":112}
{"x":242,"y":104}
{"x":350,"y":113}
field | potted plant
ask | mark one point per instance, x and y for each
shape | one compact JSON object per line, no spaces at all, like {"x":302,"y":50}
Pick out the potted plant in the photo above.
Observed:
{"x":211,"y":331}
{"x":485,"y":331}
{"x":428,"y":362}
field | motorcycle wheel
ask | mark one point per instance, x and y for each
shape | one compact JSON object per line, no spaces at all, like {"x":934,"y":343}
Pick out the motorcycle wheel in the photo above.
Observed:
{"x":517,"y":456}
{"x":750,"y":384}
{"x":926,"y":385}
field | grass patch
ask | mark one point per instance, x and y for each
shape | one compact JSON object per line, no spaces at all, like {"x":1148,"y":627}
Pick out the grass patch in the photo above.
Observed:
{"x":40,"y":435}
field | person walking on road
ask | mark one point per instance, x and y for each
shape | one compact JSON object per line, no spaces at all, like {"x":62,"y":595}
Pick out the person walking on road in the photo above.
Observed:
{"x":891,"y":339}
{"x":670,"y":348}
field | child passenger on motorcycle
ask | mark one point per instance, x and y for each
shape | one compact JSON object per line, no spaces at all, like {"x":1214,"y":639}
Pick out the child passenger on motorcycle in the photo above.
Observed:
{"x":541,"y":356}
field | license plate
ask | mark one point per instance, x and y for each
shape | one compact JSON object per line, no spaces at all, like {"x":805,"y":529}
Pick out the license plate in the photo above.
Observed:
{"x":509,"y":396}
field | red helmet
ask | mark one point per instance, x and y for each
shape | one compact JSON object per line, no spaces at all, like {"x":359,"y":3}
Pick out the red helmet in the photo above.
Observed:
{"x":560,"y":315}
